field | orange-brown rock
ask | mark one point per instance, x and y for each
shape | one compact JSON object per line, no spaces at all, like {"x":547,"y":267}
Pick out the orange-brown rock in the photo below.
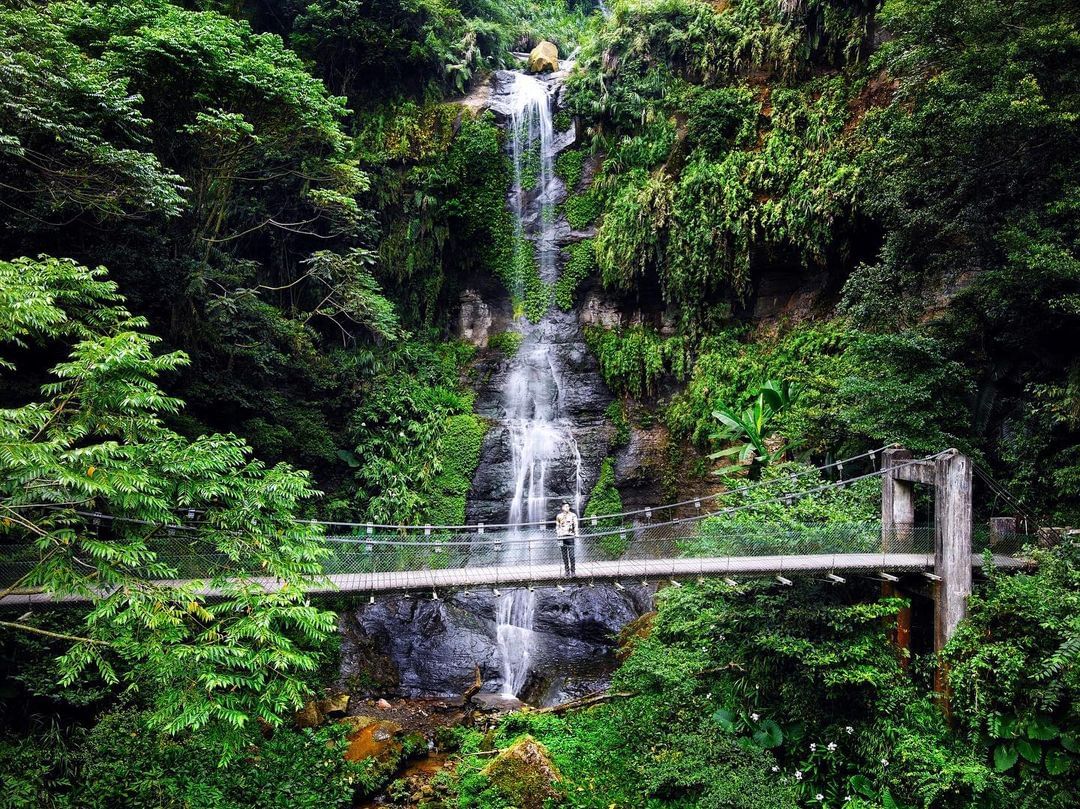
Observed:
{"x":375,"y":740}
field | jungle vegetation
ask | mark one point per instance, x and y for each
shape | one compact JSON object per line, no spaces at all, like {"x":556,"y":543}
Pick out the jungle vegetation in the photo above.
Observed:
{"x":232,"y":238}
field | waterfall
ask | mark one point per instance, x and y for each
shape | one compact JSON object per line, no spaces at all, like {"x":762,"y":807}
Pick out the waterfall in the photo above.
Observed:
{"x":544,"y":450}
{"x":532,"y":134}
{"x":514,"y":620}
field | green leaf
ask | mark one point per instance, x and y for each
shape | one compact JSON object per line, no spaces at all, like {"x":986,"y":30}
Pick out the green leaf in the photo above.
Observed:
{"x":1029,"y":750}
{"x":1042,"y":729}
{"x":863,"y":785}
{"x":1058,"y":762}
{"x":725,"y":719}
{"x":1005,"y":757}
{"x":768,"y":735}
{"x":1002,"y":727}
{"x":1071,"y":743}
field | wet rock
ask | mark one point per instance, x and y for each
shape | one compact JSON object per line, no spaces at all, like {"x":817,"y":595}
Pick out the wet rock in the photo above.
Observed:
{"x":544,"y":58}
{"x":525,"y":775}
{"x":383,"y":705}
{"x":496,"y":703}
{"x":366,"y":666}
{"x":357,"y":723}
{"x":598,"y":311}
{"x":438,"y":646}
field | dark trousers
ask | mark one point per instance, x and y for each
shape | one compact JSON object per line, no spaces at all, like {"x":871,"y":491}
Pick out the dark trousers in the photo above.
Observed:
{"x":568,"y":555}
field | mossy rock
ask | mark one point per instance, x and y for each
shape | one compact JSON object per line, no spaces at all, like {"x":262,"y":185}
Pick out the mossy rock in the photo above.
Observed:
{"x":638,"y":629}
{"x":525,"y":775}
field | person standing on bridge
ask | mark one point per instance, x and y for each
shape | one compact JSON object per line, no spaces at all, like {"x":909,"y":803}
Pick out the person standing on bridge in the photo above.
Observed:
{"x":566,"y":531}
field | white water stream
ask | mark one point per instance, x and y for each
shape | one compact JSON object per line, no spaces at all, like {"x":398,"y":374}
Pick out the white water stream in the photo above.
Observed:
{"x":542,"y":444}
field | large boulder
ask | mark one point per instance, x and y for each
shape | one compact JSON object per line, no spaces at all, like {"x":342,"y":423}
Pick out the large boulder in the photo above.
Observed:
{"x":544,"y":58}
{"x":525,"y":775}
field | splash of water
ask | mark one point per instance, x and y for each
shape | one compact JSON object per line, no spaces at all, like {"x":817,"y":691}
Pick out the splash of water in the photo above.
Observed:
{"x":514,"y":620}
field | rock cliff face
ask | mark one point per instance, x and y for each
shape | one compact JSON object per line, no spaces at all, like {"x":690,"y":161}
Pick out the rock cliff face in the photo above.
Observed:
{"x":436,"y":646}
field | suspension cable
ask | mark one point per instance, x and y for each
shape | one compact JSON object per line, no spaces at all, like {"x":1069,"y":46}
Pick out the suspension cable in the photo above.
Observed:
{"x":475,"y":527}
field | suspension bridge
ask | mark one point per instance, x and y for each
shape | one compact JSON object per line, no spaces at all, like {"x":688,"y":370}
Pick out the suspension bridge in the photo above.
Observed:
{"x":762,"y":532}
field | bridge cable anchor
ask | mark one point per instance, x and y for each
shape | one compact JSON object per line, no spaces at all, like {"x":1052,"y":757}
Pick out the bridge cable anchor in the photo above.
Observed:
{"x":834,"y":579}
{"x":784,"y":581}
{"x":731,"y":582}
{"x":674,"y":583}
{"x":931,"y":576}
{"x":889,"y":577}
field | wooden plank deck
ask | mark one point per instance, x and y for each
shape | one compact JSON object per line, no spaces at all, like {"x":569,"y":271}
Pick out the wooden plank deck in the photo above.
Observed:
{"x":588,"y":572}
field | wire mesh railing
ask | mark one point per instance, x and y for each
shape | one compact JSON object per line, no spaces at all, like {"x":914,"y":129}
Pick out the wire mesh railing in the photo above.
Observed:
{"x":383,"y":561}
{"x":763,"y":522}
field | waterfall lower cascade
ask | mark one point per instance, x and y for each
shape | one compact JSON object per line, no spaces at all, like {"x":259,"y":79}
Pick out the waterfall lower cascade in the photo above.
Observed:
{"x":546,"y":463}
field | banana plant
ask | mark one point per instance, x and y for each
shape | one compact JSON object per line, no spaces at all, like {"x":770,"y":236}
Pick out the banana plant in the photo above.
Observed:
{"x":752,"y":427}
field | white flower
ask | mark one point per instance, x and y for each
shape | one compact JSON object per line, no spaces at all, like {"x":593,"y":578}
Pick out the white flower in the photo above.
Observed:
{"x":755,"y":716}
{"x":884,"y":762}
{"x":849,"y":730}
{"x":847,"y":799}
{"x":832,"y":747}
{"x":798,"y":775}
{"x":775,"y":768}
{"x":708,"y":696}
{"x":819,"y":797}
{"x":813,"y":746}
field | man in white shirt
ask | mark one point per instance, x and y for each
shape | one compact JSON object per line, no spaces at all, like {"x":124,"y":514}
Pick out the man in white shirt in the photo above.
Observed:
{"x":566,"y":531}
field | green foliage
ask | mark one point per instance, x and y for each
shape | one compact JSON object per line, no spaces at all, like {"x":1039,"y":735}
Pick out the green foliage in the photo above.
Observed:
{"x":754,"y":426}
{"x":604,"y":499}
{"x":459,"y":448}
{"x":570,"y":166}
{"x":708,"y":173}
{"x":616,"y":414}
{"x":634,"y":360}
{"x":417,"y":441}
{"x":977,"y":134}
{"x":630,"y":240}
{"x":506,"y":343}
{"x":902,"y":388}
{"x":94,"y":440}
{"x":730,"y":364}
{"x":582,"y":210}
{"x":580,"y":265}
{"x":74,"y":136}
{"x":1014,"y":667}
{"x":767,"y":522}
{"x":125,"y":763}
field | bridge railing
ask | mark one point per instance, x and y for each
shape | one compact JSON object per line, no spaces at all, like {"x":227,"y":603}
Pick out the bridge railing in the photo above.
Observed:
{"x":362,"y":561}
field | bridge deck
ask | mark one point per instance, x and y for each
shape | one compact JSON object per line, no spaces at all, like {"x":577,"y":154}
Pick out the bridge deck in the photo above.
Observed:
{"x":599,"y":571}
